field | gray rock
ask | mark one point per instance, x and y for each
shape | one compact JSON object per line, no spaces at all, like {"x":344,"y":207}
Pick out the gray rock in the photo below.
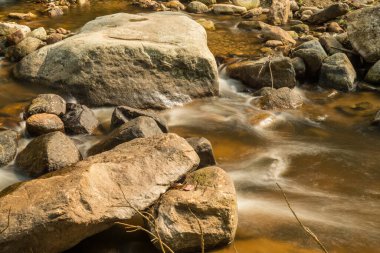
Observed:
{"x":373,"y":74}
{"x":39,"y":33}
{"x":47,"y":103}
{"x":43,"y":123}
{"x":275,"y":99}
{"x":208,"y":2}
{"x":196,"y":7}
{"x":86,"y":198}
{"x":329,"y":13}
{"x":337,"y":72}
{"x":313,"y":54}
{"x":8,"y":146}
{"x":79,"y":119}
{"x":208,"y":197}
{"x":24,"y":48}
{"x":46,"y":153}
{"x":228,"y":9}
{"x":279,"y":12}
{"x":364,"y":32}
{"x":123,"y":114}
{"x":125,"y":59}
{"x":331,"y":44}
{"x":299,"y":67}
{"x":256,"y":74}
{"x":204,"y":150}
{"x":140,"y":127}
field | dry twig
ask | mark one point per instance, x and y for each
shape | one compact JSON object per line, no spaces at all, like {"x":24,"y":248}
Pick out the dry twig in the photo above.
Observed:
{"x":306,"y":229}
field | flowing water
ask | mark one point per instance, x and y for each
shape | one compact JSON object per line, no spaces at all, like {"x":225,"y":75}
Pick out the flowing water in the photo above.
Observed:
{"x":326,"y":156}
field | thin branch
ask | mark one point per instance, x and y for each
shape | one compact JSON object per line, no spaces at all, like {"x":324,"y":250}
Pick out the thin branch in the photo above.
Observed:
{"x":271,"y":75}
{"x":306,"y":229}
{"x":201,"y":230}
{"x":233,"y":245}
{"x":8,"y":222}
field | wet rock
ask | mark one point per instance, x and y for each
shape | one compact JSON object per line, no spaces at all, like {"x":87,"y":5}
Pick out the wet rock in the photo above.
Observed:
{"x":376,"y":120}
{"x":208,"y":197}
{"x":207,"y":24}
{"x":39,"y":33}
{"x":175,"y":5}
{"x":300,"y":28}
{"x":140,"y":127}
{"x":248,"y":4}
{"x":123,"y":114}
{"x":196,"y":7}
{"x":363,"y":32}
{"x":43,"y":123}
{"x":283,"y":98}
{"x":9,"y":28}
{"x":54,"y":38}
{"x":47,"y":103}
{"x":22,"y":16}
{"x":331,"y":44}
{"x":86,"y":198}
{"x":152,"y":71}
{"x":279,"y":12}
{"x":334,"y":27}
{"x":337,"y":72}
{"x":256,"y":74}
{"x":329,"y":13}
{"x":203,"y":148}
{"x":24,"y":48}
{"x":228,"y":9}
{"x":373,"y":74}
{"x":273,"y":43}
{"x":8,"y":146}
{"x":79,"y":119}
{"x":313,"y":54}
{"x":299,"y":67}
{"x":46,"y":153}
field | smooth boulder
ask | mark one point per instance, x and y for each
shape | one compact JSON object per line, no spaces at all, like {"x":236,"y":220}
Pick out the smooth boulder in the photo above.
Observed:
{"x":43,"y":123}
{"x":313,"y":54}
{"x":277,"y":99}
{"x":57,"y":211}
{"x":123,"y":114}
{"x":206,"y":205}
{"x":337,"y":72}
{"x":373,"y":74}
{"x":8,"y":146}
{"x":140,"y":127}
{"x":228,"y":9}
{"x":129,"y":59}
{"x":363,"y":31}
{"x":261,"y":73}
{"x":46,"y":153}
{"x":196,"y":7}
{"x":47,"y":103}
{"x":204,"y":150}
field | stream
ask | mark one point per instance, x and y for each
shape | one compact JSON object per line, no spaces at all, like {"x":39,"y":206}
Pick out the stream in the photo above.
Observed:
{"x":325,"y":155}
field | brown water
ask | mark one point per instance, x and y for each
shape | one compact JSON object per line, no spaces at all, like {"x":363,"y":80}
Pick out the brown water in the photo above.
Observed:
{"x":326,"y":156}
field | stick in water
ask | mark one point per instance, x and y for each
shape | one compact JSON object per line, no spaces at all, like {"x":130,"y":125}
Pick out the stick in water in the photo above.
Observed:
{"x":307,"y":230}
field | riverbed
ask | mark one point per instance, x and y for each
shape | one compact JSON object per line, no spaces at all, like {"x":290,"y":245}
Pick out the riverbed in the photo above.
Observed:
{"x":326,"y":155}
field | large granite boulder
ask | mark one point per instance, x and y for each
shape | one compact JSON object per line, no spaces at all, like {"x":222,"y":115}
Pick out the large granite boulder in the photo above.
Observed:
{"x":206,"y":205}
{"x":130,"y":60}
{"x":55,"y":212}
{"x":363,"y":31}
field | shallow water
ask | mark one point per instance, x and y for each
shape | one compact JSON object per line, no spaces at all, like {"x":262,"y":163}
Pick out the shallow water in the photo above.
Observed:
{"x":325,"y":155}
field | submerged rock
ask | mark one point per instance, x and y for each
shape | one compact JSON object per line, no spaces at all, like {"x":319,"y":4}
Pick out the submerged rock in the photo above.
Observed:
{"x":141,"y":127}
{"x":313,"y":54}
{"x":79,"y":119}
{"x":257,"y":74}
{"x":208,"y":198}
{"x":47,"y":103}
{"x":331,"y":12}
{"x":8,"y":146}
{"x":43,"y":123}
{"x":81,"y":200}
{"x":46,"y":153}
{"x":283,"y":98}
{"x":125,"y":59}
{"x":363,"y":31}
{"x":337,"y":72}
{"x":204,"y":150}
{"x":123,"y":114}
{"x":373,"y":74}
